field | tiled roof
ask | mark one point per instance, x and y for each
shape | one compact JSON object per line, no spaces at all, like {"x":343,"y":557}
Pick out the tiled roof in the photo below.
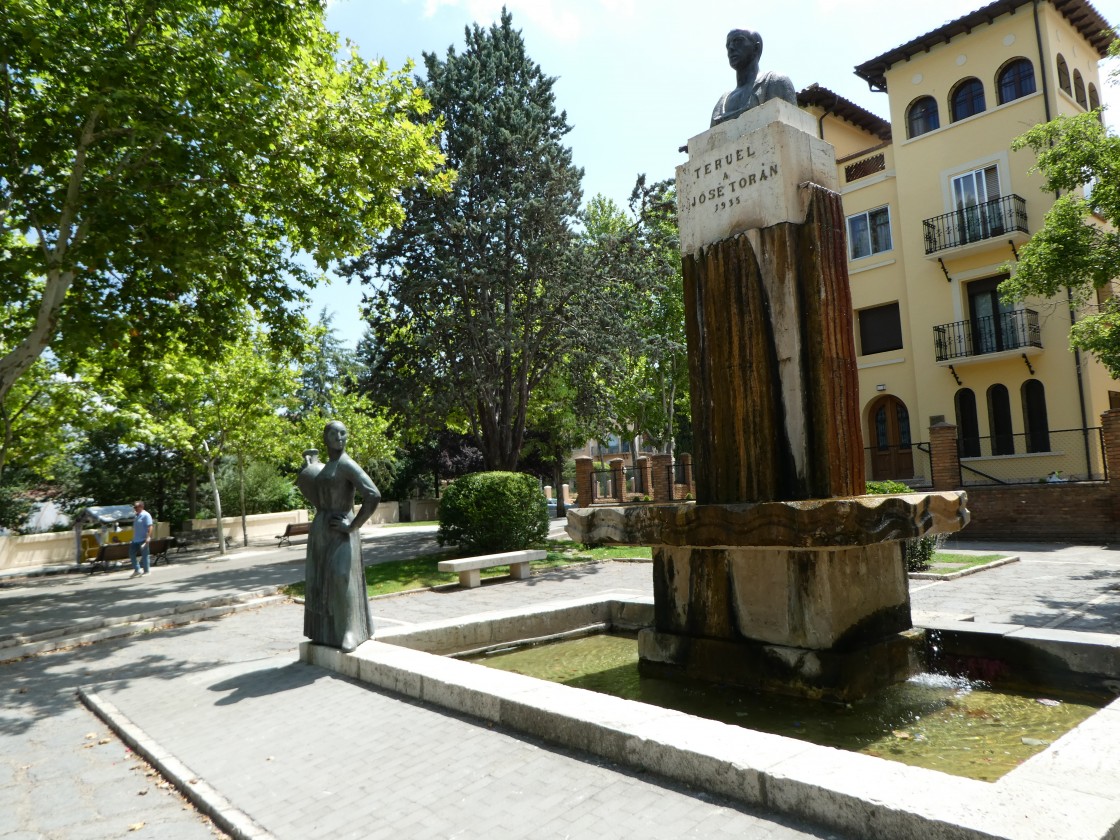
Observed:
{"x":1079,"y":13}
{"x":834,"y":103}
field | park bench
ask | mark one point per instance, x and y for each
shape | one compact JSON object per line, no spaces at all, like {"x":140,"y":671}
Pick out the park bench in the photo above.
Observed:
{"x":469,"y":568}
{"x":115,"y":552}
{"x":294,"y":529}
{"x":186,"y":539}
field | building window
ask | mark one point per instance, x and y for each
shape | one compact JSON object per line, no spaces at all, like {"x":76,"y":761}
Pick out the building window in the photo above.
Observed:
{"x":1063,"y":75}
{"x":1079,"y":90}
{"x":880,"y":329}
{"x":1094,"y":98}
{"x":922,"y":116}
{"x":967,"y":99}
{"x":869,"y":233}
{"x":999,"y":421}
{"x":976,"y":201}
{"x":1037,"y":427}
{"x":1016,"y":80}
{"x":968,"y":427}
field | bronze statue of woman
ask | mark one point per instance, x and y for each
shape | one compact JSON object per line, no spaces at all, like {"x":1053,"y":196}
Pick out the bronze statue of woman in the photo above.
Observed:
{"x":336,"y":608}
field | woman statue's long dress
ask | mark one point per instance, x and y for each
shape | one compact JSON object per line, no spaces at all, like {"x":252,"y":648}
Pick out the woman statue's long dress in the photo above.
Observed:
{"x":336,"y":608}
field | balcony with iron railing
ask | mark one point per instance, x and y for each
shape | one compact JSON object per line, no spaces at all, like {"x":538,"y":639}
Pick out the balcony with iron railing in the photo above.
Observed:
{"x":1008,"y":331}
{"x":994,"y":219}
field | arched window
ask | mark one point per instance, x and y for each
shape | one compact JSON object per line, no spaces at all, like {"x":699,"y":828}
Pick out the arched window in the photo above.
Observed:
{"x":1035,"y":424}
{"x":999,"y":421}
{"x":968,"y":427}
{"x":1094,"y":98}
{"x":1079,"y":90}
{"x":1063,"y":75}
{"x":922,"y":116}
{"x":967,"y":99}
{"x":1015,"y":80}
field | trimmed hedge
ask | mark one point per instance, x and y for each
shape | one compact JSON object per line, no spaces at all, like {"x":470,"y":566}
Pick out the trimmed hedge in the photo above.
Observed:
{"x":488,"y":512}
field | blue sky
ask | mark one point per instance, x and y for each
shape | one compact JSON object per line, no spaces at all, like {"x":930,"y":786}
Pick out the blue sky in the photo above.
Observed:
{"x":637,"y":78}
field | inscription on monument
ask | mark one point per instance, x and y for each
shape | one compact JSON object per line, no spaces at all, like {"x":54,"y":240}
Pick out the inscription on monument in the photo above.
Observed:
{"x":718,"y":188}
{"x":745,"y":174}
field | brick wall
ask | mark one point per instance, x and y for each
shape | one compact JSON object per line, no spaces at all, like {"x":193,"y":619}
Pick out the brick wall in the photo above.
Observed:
{"x":1078,"y":513}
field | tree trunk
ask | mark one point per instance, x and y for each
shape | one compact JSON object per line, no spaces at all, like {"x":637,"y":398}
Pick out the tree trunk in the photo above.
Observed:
{"x":241,"y":489}
{"x":217,"y":505}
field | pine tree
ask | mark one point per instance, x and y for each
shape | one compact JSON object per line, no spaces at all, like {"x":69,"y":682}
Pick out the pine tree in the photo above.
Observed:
{"x":485,"y":290}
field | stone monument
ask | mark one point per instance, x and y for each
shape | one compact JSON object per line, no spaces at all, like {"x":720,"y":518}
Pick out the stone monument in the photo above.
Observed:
{"x":781,"y":576}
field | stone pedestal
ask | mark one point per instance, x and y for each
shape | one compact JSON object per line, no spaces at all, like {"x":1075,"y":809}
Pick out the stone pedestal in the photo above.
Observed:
{"x":773,"y":380}
{"x":801,"y":597}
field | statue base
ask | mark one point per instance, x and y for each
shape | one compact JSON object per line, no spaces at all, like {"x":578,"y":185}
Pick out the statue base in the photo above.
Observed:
{"x":809,"y":598}
{"x":833,"y":675}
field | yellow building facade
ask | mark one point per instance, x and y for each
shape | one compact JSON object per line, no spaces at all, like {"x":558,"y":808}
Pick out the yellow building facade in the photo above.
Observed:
{"x":937,"y":206}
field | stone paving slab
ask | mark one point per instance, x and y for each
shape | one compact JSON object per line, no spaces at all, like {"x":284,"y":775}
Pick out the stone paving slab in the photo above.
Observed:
{"x":303,"y":753}
{"x":52,"y":785}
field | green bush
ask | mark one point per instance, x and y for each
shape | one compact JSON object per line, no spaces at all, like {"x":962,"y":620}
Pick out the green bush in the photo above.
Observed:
{"x":493,"y":511}
{"x":918,"y":552}
{"x":883,"y":488}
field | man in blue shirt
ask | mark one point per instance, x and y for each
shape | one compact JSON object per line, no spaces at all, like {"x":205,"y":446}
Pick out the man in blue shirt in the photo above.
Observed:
{"x":141,"y":537}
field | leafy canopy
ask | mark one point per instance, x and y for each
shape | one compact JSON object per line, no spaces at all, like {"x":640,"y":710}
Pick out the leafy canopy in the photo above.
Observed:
{"x":162,"y":162}
{"x":1078,"y":246}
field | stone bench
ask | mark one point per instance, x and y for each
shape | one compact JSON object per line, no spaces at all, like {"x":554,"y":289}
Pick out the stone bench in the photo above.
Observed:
{"x":469,"y":568}
{"x":294,"y":529}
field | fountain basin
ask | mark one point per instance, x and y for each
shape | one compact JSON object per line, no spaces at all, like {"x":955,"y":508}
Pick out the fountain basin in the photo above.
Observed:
{"x":1068,"y":790}
{"x":808,"y":598}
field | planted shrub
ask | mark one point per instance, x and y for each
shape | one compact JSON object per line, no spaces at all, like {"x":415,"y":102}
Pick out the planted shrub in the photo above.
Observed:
{"x":488,"y":512}
{"x":917,"y":552}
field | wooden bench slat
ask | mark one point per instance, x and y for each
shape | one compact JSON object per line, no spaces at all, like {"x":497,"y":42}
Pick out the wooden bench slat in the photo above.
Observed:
{"x":293,"y":529}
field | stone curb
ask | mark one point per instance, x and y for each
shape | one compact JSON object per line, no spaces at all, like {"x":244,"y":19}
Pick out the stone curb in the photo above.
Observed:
{"x":18,"y":647}
{"x":234,"y":822}
{"x":995,"y":564}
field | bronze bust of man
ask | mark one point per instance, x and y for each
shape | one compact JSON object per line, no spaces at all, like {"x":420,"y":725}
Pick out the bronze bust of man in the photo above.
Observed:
{"x":744,"y":49}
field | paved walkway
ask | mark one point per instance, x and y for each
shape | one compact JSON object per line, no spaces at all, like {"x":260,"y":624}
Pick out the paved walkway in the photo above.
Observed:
{"x":304,"y":753}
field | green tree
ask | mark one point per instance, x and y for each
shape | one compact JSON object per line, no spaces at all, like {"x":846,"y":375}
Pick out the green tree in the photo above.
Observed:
{"x":329,"y":367}
{"x":234,"y":407}
{"x":482,"y":291}
{"x":1078,"y":247}
{"x":163,"y":163}
{"x":39,"y":419}
{"x":369,"y":441}
{"x":648,"y":382}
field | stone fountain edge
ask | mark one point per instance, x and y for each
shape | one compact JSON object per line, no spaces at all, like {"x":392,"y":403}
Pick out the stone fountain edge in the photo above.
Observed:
{"x":1047,"y":797}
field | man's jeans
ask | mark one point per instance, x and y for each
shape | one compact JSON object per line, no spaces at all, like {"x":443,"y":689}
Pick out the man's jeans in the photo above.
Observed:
{"x":142,"y":548}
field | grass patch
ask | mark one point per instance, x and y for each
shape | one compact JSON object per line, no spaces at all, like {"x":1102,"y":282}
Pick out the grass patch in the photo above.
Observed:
{"x":946,"y":562}
{"x":421,"y":572}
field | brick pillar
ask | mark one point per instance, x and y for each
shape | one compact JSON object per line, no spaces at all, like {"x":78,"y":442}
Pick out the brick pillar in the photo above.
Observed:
{"x":661,"y":486}
{"x":645,"y":471}
{"x":1110,"y":426}
{"x":1110,"y":437}
{"x":584,"y":494}
{"x":688,"y":477}
{"x":566,"y":495}
{"x":618,"y":476}
{"x":945,"y":460}
{"x":548,"y":491}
